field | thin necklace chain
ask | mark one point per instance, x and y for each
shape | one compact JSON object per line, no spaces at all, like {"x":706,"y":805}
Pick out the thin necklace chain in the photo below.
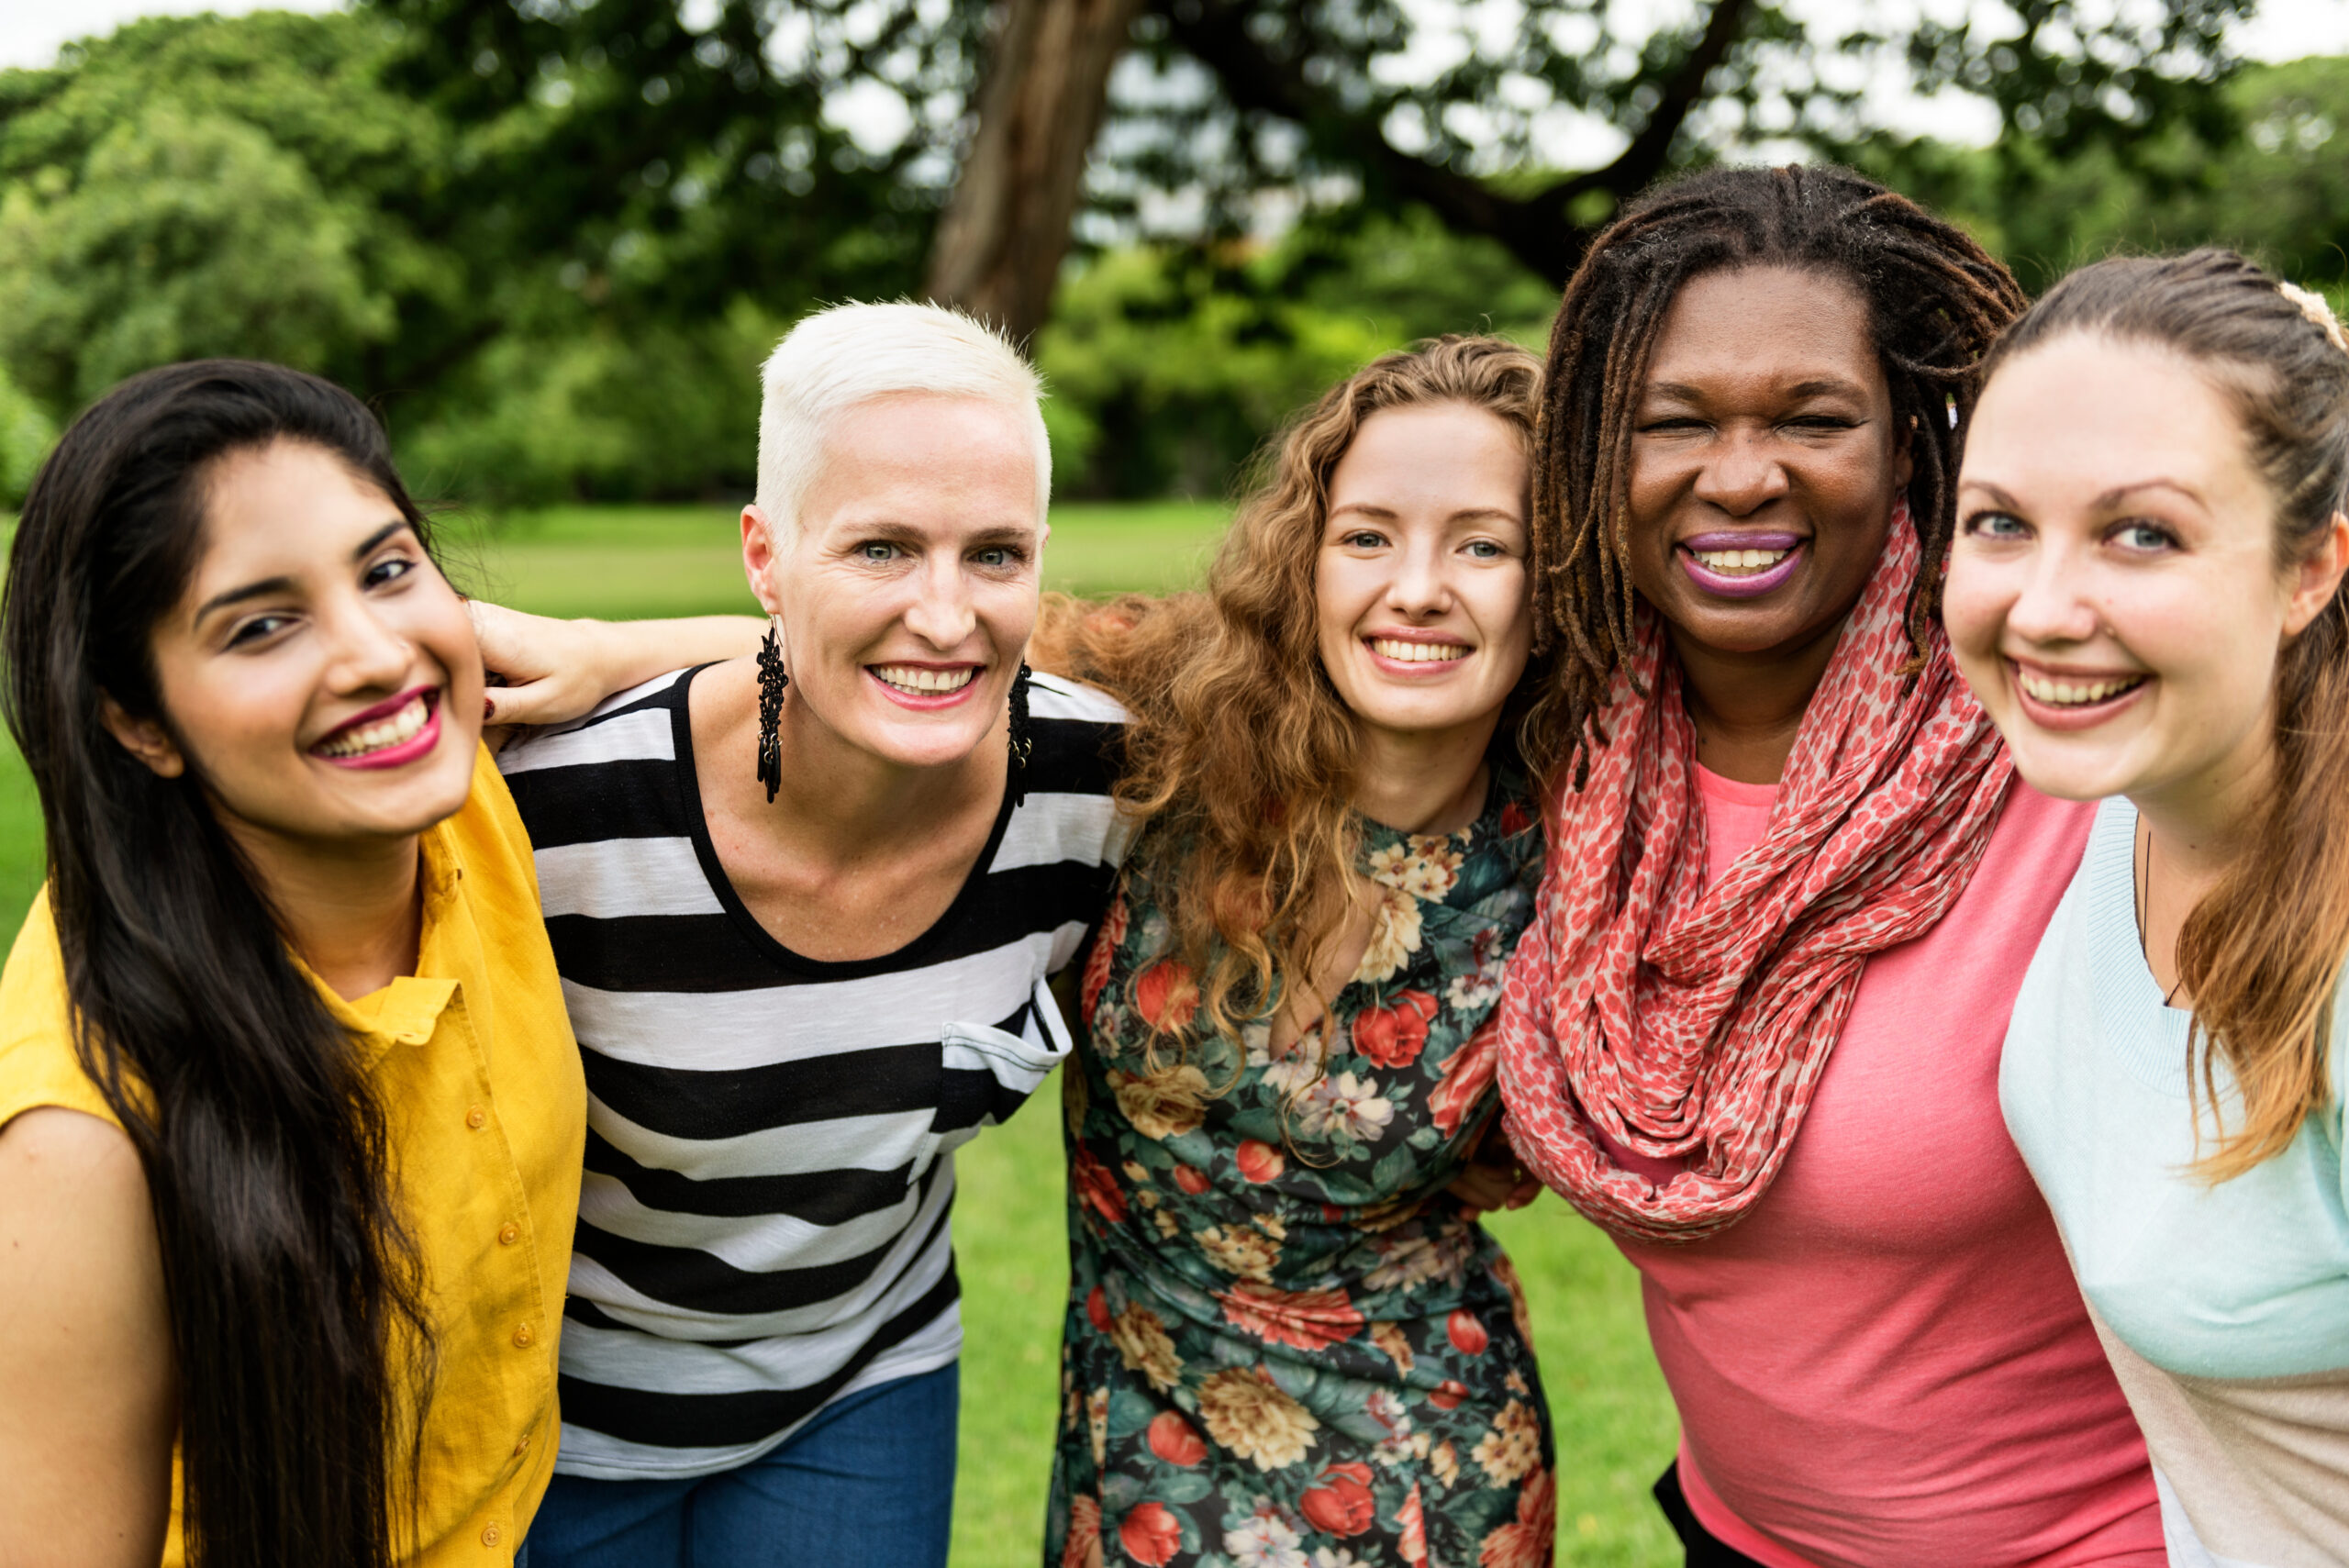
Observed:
{"x":2143,"y":874}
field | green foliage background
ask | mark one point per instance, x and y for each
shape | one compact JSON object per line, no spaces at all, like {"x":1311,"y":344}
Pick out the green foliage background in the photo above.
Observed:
{"x":300,"y":188}
{"x":284,"y":186}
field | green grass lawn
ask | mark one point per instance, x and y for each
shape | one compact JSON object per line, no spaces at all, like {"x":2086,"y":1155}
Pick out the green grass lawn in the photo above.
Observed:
{"x":1614,"y":1421}
{"x":614,"y":561}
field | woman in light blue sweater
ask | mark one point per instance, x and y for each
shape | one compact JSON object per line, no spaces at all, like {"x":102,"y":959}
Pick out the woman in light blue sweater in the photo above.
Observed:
{"x":2146,"y":594}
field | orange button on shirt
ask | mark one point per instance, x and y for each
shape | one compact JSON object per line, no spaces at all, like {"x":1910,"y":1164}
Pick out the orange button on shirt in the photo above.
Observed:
{"x":480,"y":1081}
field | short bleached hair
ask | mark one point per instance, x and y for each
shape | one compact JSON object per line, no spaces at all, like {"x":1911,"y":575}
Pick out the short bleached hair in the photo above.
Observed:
{"x":849,"y":355}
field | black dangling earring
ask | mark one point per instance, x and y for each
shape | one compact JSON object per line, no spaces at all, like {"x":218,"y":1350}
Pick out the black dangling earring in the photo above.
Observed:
{"x":1022,"y":744}
{"x":773,"y":678}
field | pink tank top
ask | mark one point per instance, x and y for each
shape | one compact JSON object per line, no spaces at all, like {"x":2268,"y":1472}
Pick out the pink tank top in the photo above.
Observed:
{"x":1888,"y":1361}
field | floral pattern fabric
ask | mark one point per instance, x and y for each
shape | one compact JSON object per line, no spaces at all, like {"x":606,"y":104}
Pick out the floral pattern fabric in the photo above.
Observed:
{"x":1285,"y":1346}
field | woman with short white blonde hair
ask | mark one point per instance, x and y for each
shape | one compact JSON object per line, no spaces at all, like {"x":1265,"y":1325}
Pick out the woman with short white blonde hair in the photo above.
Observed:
{"x":805,"y":906}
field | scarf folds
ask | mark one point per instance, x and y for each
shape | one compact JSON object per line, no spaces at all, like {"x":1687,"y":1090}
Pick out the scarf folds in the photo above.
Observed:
{"x":1691,"y":1023}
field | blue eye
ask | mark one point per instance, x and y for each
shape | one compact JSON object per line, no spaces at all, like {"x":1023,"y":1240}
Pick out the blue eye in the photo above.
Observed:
{"x":1486,"y":549}
{"x":878,"y":549}
{"x":1997,"y":524}
{"x":2144,"y":536}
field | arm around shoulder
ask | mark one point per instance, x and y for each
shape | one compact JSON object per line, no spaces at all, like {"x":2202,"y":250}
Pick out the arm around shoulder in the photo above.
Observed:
{"x":88,"y":1408}
{"x":559,"y":670}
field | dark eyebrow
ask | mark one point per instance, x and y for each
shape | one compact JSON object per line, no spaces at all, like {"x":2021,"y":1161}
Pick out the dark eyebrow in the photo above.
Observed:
{"x":1818,"y":387}
{"x":995,"y":539}
{"x":267,"y":585}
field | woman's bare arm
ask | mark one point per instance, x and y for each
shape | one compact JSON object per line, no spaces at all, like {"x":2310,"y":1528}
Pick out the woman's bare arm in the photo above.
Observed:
{"x":88,"y":1410}
{"x":557,"y":670}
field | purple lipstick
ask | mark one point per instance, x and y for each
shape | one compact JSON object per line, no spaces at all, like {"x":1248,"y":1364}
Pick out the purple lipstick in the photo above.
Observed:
{"x":1751,"y":583}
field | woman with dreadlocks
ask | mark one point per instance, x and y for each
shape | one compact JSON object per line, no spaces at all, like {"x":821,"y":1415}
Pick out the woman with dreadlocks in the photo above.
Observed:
{"x":1792,"y":888}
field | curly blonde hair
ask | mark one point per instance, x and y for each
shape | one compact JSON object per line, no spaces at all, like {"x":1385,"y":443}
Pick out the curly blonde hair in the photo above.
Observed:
{"x":1241,"y":755}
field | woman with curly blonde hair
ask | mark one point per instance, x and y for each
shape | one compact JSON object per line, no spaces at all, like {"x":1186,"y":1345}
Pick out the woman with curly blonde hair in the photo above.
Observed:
{"x":1288,"y":1338}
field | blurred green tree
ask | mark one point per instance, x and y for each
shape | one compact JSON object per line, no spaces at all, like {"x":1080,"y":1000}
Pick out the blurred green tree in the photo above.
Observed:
{"x":193,"y":186}
{"x":1168,"y":364}
{"x":26,"y":435}
{"x":1224,"y":101}
{"x":2279,"y":192}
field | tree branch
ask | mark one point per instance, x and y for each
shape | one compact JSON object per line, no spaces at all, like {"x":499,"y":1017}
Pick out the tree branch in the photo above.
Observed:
{"x":1537,"y":229}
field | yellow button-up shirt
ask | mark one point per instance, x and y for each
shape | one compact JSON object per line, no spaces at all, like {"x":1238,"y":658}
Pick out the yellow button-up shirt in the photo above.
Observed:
{"x":480,"y":1081}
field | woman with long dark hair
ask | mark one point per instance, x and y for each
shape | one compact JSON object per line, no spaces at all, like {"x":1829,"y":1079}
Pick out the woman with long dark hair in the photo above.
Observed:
{"x":290,"y":1117}
{"x":2147,"y":591}
{"x":1753,"y":1029}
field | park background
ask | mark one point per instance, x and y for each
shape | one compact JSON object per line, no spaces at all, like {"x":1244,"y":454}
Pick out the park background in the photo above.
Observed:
{"x":551,"y":240}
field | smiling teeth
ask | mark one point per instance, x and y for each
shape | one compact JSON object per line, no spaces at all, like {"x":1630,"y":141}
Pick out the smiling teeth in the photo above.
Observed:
{"x":2067,"y":693}
{"x":1415,"y":652}
{"x":1740,"y":560}
{"x":379,"y":734}
{"x":915,"y":681}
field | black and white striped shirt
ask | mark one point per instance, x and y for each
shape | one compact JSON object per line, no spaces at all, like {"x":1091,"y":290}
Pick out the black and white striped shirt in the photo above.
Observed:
{"x":763,"y":1223}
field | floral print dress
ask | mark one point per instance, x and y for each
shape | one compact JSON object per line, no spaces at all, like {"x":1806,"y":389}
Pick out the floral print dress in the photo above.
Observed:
{"x":1285,"y":1346}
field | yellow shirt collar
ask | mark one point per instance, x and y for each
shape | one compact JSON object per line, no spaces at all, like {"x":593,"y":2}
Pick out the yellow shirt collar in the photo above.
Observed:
{"x":408,"y":1010}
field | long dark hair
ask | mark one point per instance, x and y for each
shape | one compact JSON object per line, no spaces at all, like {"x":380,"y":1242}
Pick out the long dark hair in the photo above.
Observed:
{"x":2263,"y":950}
{"x":294,"y":1287}
{"x":1936,"y":300}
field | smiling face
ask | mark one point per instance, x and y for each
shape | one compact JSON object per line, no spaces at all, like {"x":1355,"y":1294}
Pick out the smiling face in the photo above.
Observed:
{"x":1764,"y":462}
{"x":2114,"y":596}
{"x":1425,"y":616}
{"x":910,"y":587}
{"x":319,"y":672}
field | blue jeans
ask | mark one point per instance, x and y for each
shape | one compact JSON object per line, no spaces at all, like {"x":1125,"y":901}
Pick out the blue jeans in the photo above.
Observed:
{"x":868,"y":1483}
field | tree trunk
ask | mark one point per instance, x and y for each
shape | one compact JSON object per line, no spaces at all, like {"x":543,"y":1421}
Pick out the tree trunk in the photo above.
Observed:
{"x":999,"y":245}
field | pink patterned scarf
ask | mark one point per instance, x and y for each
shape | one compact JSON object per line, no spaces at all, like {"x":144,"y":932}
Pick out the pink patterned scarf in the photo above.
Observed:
{"x":1691,"y":1023}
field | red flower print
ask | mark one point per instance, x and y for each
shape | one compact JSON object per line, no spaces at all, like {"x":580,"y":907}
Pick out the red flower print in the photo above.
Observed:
{"x":1447,"y":1395}
{"x":1191,"y":1179}
{"x":1515,"y":819}
{"x":1099,"y":1188}
{"x":1260,"y":1161}
{"x":1174,"y":1439}
{"x":1150,"y":1535}
{"x":1466,"y":1078}
{"x":1082,"y":1547}
{"x":1525,"y":1542}
{"x":1166,"y":996}
{"x":1309,"y":1320}
{"x":1393,"y":1036}
{"x":1341,"y":1505}
{"x":1097,"y":1308}
{"x":1467,"y":1335}
{"x":1411,"y":1538}
{"x":1097,"y":975}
